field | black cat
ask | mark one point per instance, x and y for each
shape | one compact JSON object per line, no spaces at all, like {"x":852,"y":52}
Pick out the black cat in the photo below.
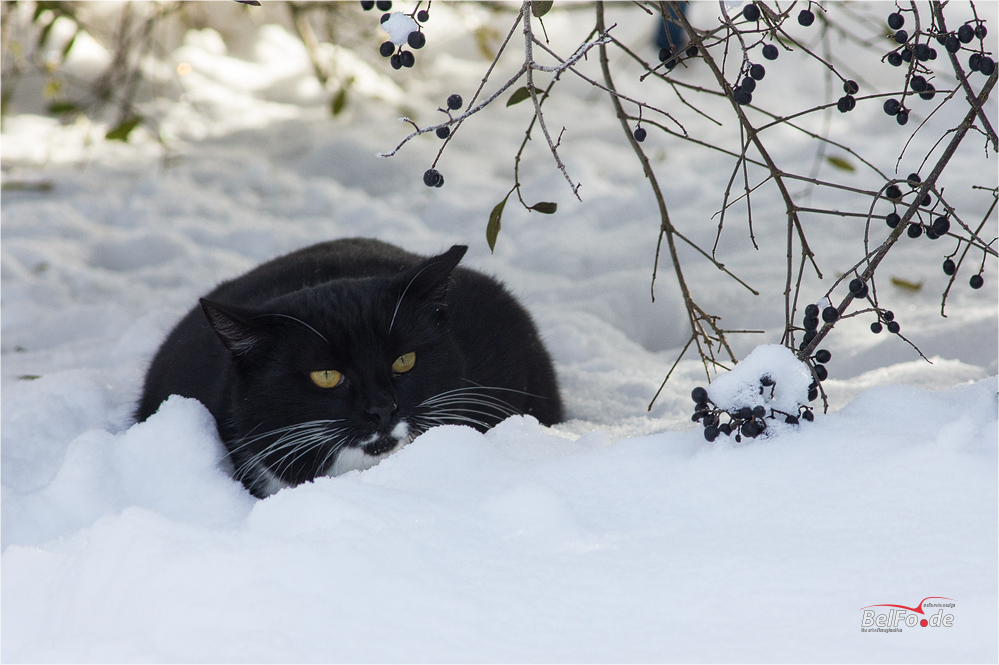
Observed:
{"x":334,"y":356}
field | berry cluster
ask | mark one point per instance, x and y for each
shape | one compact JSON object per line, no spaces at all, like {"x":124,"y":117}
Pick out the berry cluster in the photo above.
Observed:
{"x":402,"y":29}
{"x":915,"y":50}
{"x":746,"y":421}
{"x":433,"y":177}
{"x":754,"y":72}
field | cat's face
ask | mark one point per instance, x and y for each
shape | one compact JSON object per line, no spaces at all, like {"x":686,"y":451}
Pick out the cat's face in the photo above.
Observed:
{"x":335,"y":377}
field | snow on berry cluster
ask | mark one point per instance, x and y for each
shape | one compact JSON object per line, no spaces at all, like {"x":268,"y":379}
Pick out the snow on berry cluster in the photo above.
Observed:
{"x":403,"y":29}
{"x":763,"y":395}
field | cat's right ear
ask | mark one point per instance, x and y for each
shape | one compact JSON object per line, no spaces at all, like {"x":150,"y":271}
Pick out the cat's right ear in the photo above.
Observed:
{"x":232,"y":326}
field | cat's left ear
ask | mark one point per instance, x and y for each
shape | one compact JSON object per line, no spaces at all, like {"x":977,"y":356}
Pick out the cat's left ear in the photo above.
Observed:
{"x":429,"y":280}
{"x":233,"y":326}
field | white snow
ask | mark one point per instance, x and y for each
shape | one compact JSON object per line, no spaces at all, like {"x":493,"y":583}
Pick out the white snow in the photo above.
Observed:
{"x":399,"y":26}
{"x":619,"y":535}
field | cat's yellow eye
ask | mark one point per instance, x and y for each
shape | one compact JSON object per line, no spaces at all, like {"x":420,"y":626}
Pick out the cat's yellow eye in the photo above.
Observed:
{"x":326,"y":378}
{"x":404,"y":363}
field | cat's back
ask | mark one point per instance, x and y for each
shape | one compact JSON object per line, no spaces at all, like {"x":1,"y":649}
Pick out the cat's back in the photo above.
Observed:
{"x":336,"y":259}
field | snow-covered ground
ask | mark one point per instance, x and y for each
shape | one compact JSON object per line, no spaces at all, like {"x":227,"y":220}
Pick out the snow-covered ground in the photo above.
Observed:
{"x":619,"y":535}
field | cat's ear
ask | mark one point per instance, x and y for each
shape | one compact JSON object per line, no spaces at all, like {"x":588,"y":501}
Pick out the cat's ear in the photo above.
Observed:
{"x":232,"y":326}
{"x":429,"y":280}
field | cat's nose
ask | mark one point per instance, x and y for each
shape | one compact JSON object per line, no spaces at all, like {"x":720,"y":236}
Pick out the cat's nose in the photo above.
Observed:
{"x":382,"y":411}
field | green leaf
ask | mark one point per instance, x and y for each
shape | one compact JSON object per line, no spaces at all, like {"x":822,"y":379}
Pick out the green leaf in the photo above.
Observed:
{"x":546,"y":207}
{"x":123,"y":129}
{"x":539,"y":9}
{"x":339,"y":101}
{"x":519,"y":95}
{"x":905,"y":284}
{"x":493,"y":228}
{"x":841,"y":164}
{"x":62,"y":108}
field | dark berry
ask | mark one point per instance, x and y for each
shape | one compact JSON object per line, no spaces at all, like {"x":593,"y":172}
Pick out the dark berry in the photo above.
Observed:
{"x":757,"y":72}
{"x":913,"y":179}
{"x":933,"y":54}
{"x":396,"y":61}
{"x":770,"y":52}
{"x":888,"y":315}
{"x":431,"y":177}
{"x":876,"y":327}
{"x":423,"y":16}
{"x":808,"y":415}
{"x":386,"y":49}
{"x":895,"y":21}
{"x":367,"y":4}
{"x":813,"y":394}
{"x":948,"y":267}
{"x":640,"y":134}
{"x":917,"y":83}
{"x":699,"y":395}
{"x":931,"y":234}
{"x":929,"y":93}
{"x":981,"y":31}
{"x":893,"y":192}
{"x":454,"y":102}
{"x":914,"y":230}
{"x":830,"y":314}
{"x":823,"y":356}
{"x":902,"y":117}
{"x":407,"y":58}
{"x":851,"y":87}
{"x":894,"y":59}
{"x":922,"y":52}
{"x":821,"y":373}
{"x":791,"y":420}
{"x":417,"y":39}
{"x":384,"y":5}
{"x":748,"y":84}
{"x":893,"y":327}
{"x":384,"y":18}
{"x":766,"y":380}
{"x":891,"y":106}
{"x":976,"y":281}
{"x":987,"y":66}
{"x":953,"y":44}
{"x":751,"y":13}
{"x":751,"y":429}
{"x":759,"y":411}
{"x":806,"y":18}
{"x":901,"y":36}
{"x":745,"y":413}
{"x":941,"y":225}
{"x":443,"y":132}
{"x":892,"y":219}
{"x":926,"y":201}
{"x":811,"y":323}
{"x":812,"y":311}
{"x":965,"y":33}
{"x":846,"y":103}
{"x":856,"y":286}
{"x":691,"y":51}
{"x":711,"y":433}
{"x":665,"y":53}
{"x":906,"y":55}
{"x":440,"y":182}
{"x":975,"y":61}
{"x":742,"y":97}
{"x":725,"y":428}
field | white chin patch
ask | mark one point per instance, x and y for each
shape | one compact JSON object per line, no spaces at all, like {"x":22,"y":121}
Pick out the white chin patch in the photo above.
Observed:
{"x":351,"y":458}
